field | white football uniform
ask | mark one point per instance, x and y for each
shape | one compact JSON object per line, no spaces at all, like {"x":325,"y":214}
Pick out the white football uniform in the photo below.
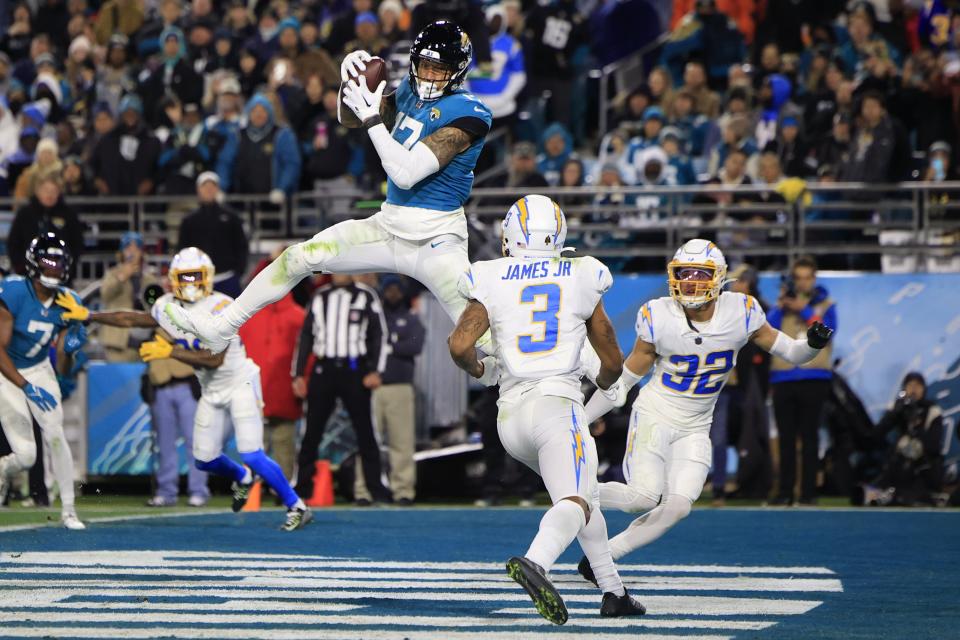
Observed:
{"x":232,"y":390}
{"x":537,"y":310}
{"x":668,"y":442}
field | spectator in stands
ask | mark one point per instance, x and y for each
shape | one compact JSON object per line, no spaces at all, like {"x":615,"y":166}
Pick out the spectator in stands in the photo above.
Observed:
{"x":913,"y":472}
{"x":696,"y":128}
{"x":332,"y":153}
{"x":394,"y":400}
{"x":680,"y":169}
{"x":270,"y":338}
{"x":74,"y":177}
{"x":872,"y":148}
{"x":572,"y":175}
{"x":706,"y":101}
{"x":124,"y":160}
{"x":218,"y":232}
{"x":45,"y":212}
{"x":508,"y":76}
{"x":368,"y":38}
{"x":223,"y":129}
{"x":268,"y":160}
{"x":707,"y":35}
{"x":390,"y":14}
{"x":169,"y":14}
{"x":224,"y":55}
{"x":521,"y":171}
{"x":13,"y":165}
{"x":45,"y":163}
{"x":939,"y":165}
{"x":240,"y":22}
{"x":742,"y":12}
{"x":16,"y":40}
{"x":265,"y":42}
{"x":122,"y":288}
{"x":557,"y":145}
{"x":661,"y":88}
{"x":735,"y":135}
{"x":176,"y":75}
{"x":343,"y":26}
{"x":863,"y":42}
{"x":795,"y":157}
{"x":800,"y":392}
{"x":774,"y":102}
{"x":554,"y":32}
{"x":9,"y":130}
{"x":350,"y":357}
{"x":103,"y":123}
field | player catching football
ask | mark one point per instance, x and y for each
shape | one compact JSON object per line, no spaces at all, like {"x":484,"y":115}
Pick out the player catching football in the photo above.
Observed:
{"x":691,"y":340}
{"x":428,"y":135}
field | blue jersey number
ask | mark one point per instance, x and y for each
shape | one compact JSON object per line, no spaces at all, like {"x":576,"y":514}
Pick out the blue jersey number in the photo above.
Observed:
{"x":547,"y":299}
{"x":186,"y":344}
{"x":720,"y":362}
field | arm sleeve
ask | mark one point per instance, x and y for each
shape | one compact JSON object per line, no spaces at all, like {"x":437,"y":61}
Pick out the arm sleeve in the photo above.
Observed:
{"x":376,"y":335}
{"x":792,"y":350}
{"x":406,"y":167}
{"x":304,"y":344}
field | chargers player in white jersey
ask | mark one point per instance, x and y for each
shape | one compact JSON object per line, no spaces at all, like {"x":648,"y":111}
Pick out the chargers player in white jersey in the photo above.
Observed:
{"x":30,"y":324}
{"x":691,"y":340}
{"x":428,"y":135}
{"x":229,"y":382}
{"x":540,"y":307}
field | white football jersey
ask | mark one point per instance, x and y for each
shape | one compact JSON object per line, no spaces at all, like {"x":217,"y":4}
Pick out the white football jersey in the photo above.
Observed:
{"x":538,"y":308}
{"x":687,"y":375}
{"x":236,"y":368}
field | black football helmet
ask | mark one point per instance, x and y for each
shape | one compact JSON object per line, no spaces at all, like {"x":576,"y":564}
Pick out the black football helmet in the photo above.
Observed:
{"x":446,"y":48}
{"x":49,"y":261}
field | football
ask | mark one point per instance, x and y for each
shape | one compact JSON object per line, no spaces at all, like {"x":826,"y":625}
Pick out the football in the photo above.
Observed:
{"x":374,"y":74}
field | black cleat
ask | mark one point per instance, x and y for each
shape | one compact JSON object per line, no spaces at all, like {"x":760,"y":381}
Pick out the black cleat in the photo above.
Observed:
{"x":586,"y":571}
{"x":533,"y":579}
{"x":614,"y":606}
{"x":241,"y":492}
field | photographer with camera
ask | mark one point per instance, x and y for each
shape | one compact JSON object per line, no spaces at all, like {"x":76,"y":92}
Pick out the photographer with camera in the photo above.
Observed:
{"x":800,"y":392}
{"x":913,"y":472}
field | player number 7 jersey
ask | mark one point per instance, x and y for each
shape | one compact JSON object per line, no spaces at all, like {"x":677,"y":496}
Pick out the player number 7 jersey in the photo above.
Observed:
{"x":538,"y":309}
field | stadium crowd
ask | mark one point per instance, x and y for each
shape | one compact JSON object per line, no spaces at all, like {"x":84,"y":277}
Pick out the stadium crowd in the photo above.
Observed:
{"x":133,"y":97}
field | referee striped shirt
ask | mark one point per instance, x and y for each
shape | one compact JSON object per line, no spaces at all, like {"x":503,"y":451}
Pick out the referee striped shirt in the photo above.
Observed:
{"x":346,"y":324}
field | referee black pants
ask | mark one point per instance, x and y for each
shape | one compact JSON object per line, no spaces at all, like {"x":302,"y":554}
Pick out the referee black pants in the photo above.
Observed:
{"x":331,"y":380}
{"x":798,"y":407}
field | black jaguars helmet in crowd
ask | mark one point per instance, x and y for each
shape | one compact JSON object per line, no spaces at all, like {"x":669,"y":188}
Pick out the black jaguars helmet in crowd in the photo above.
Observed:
{"x":442,"y":50}
{"x":48,"y":260}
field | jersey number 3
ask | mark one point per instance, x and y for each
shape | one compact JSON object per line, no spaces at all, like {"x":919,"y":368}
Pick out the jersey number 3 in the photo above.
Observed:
{"x":720,"y":362}
{"x":546,"y":297}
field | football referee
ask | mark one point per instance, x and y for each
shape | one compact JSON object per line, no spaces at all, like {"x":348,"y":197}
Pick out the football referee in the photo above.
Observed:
{"x":345,"y":330}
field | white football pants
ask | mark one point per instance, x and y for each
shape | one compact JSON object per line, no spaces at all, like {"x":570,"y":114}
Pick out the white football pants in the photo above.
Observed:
{"x":243,"y":406}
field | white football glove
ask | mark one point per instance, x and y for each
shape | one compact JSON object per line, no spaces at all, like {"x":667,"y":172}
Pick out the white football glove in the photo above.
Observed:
{"x":363,"y":102}
{"x":353,"y":64}
{"x":491,"y":371}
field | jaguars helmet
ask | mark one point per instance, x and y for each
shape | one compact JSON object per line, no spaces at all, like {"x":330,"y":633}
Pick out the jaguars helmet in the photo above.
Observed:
{"x":534,"y":227}
{"x":49,"y":261}
{"x":697,"y":273}
{"x":444,"y":48}
{"x":191,"y":275}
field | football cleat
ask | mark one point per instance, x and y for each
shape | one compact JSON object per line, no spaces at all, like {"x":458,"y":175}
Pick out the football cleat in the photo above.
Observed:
{"x":160,"y":501}
{"x":72,"y":522}
{"x":241,"y":491}
{"x":201,"y":324}
{"x":585,"y":570}
{"x":197,"y":501}
{"x":297,"y":519}
{"x":533,"y":579}
{"x":614,"y":606}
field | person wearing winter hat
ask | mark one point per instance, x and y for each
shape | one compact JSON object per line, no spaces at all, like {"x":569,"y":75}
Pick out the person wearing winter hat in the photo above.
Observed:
{"x":47,"y":162}
{"x":176,"y":75}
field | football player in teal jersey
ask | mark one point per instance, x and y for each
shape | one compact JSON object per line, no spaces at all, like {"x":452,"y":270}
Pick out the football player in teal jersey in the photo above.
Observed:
{"x":428,"y":135}
{"x":30,"y":324}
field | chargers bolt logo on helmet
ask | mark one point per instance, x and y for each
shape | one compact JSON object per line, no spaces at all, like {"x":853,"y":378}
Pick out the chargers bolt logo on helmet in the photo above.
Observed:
{"x":48,"y":260}
{"x":696,"y":274}
{"x":439,"y":59}
{"x":191,"y":275}
{"x":534,"y":226}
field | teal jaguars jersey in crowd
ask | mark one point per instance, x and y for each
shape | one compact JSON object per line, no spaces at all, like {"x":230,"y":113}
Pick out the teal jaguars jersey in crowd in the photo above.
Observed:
{"x":35,"y":325}
{"x":449,"y":188}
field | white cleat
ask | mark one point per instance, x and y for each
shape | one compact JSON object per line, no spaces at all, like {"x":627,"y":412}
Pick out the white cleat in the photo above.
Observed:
{"x":72,"y":522}
{"x":201,"y":324}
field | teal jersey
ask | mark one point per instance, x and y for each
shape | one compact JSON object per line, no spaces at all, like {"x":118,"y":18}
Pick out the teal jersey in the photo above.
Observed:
{"x":35,"y":325}
{"x":449,"y":188}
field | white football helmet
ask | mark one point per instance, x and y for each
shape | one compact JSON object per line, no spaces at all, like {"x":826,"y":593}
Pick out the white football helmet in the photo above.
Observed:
{"x":191,"y":275}
{"x":697,"y":273}
{"x":534,"y":227}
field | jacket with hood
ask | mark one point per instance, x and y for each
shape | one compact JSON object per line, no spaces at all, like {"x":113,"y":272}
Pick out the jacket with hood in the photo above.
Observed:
{"x":551,"y":166}
{"x":273,"y":146}
{"x":499,"y":92}
{"x":772,"y":111}
{"x":125,"y":157}
{"x":9,"y":131}
{"x":175,"y":75}
{"x":32,"y":219}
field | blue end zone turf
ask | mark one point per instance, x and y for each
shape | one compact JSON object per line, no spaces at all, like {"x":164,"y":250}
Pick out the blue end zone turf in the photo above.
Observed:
{"x":438,"y":573}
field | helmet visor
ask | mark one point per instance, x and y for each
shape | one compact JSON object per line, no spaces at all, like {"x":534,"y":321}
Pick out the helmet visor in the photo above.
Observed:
{"x":692,"y":283}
